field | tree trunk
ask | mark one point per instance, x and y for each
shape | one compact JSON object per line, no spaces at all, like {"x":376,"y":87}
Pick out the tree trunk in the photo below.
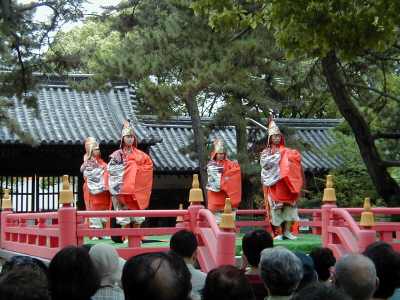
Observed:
{"x":385,"y":185}
{"x":198,"y":135}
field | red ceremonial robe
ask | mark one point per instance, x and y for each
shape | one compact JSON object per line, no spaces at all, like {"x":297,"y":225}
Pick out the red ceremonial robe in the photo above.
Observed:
{"x":137,"y":180}
{"x":100,"y":201}
{"x":231,"y":186}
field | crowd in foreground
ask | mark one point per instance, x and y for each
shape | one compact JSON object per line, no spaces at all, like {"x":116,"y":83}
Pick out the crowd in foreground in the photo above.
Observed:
{"x":267,"y":272}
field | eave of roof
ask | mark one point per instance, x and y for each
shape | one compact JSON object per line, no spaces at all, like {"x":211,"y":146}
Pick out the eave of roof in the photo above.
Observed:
{"x":177,"y":133}
{"x":68,"y":116}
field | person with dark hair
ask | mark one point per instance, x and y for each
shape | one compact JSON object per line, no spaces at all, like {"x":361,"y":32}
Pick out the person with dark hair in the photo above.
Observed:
{"x":156,"y":276}
{"x":87,"y":247}
{"x":24,"y":283}
{"x":281,"y":272}
{"x":355,"y":274}
{"x":72,"y":275}
{"x":24,"y":261}
{"x":253,"y":243}
{"x":309,"y":274}
{"x":324,"y":261}
{"x":227,"y":283}
{"x":387,"y":264}
{"x":184,"y":243}
{"x":320,"y":291}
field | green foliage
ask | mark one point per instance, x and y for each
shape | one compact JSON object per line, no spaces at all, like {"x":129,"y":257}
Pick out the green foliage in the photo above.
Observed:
{"x":351,"y":180}
{"x":88,"y":48}
{"x":360,"y":38}
{"x":312,"y":28}
{"x":316,"y":27}
{"x":23,"y":40}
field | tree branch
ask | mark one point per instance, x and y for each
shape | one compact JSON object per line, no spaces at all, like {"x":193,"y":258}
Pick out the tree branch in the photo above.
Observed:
{"x":21,"y":62}
{"x":31,"y":6}
{"x":390,"y":163}
{"x":240,"y":34}
{"x":386,"y":135}
{"x":373,"y":90}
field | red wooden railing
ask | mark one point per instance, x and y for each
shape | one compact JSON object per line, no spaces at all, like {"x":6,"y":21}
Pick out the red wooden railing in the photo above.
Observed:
{"x":217,"y":246}
{"x":43,"y":234}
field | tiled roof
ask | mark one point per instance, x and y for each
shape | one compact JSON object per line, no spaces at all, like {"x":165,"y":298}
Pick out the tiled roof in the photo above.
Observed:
{"x":68,"y":116}
{"x":178,"y":134}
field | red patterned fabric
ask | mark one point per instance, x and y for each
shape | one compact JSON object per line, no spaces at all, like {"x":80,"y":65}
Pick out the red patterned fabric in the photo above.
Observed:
{"x":231,"y":186}
{"x":288,"y":189}
{"x":101,"y":201}
{"x":137,"y":179}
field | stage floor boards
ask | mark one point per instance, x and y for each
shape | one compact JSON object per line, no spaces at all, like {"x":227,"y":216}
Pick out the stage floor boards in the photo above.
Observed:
{"x":305,"y":242}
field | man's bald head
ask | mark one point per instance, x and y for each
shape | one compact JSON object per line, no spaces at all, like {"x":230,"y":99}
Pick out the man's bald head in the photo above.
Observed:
{"x":355,"y":274}
{"x":156,"y":276}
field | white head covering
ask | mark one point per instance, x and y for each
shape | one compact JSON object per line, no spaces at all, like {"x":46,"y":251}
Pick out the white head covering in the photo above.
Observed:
{"x":108,"y":264}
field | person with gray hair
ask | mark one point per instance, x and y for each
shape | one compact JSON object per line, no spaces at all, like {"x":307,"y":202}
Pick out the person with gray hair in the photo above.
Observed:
{"x":281,"y":271}
{"x":355,"y":274}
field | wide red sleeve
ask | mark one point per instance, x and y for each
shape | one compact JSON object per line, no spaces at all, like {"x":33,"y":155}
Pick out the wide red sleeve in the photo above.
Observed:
{"x":289,"y":187}
{"x":231,"y":182}
{"x":144,"y":181}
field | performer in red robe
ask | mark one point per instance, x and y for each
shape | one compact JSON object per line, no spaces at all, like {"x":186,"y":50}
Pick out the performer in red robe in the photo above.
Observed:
{"x":282,"y":179}
{"x":224,"y":179}
{"x":95,"y":188}
{"x":131,"y":176}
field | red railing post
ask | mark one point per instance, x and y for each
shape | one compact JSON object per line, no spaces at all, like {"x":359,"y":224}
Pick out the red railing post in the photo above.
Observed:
{"x":226,"y":248}
{"x":195,"y":200}
{"x":329,"y":202}
{"x":316,"y":217}
{"x":67,"y":217}
{"x":326,"y":217}
{"x":366,"y":236}
{"x":193,"y":211}
{"x":67,"y":227}
{"x":6,"y":210}
{"x":226,"y":240}
{"x":180,"y":220}
{"x":4,"y":237}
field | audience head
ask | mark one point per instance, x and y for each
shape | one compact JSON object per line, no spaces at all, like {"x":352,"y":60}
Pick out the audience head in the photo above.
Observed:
{"x":320,"y":291}
{"x":24,"y":283}
{"x":309,"y":273}
{"x":281,"y":271}
{"x":107,"y":263}
{"x":387,"y":264}
{"x":253,"y":243}
{"x":184,"y":243}
{"x":18,"y":261}
{"x":323,"y":262}
{"x":355,"y":274}
{"x":87,"y":247}
{"x":156,"y":276}
{"x":227,"y":283}
{"x":72,"y":275}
